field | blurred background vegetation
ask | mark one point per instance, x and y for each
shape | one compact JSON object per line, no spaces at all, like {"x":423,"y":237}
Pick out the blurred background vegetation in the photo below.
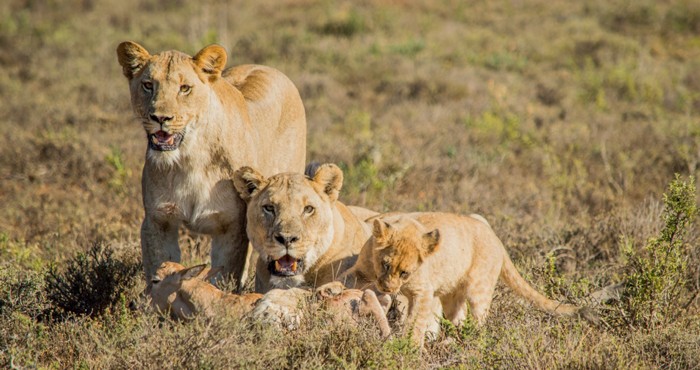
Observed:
{"x":563,"y":123}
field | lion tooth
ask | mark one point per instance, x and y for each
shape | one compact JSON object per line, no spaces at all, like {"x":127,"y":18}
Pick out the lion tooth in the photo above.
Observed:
{"x":294,"y":266}
{"x":154,"y":139}
{"x":278,"y":267}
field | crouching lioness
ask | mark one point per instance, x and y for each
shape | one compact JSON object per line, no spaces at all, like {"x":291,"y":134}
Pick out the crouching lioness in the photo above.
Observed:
{"x":202,"y":122}
{"x":185,"y":292}
{"x":302,"y":233}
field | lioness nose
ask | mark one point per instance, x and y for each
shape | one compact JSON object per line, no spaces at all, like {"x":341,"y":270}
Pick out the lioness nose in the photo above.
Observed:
{"x":286,"y":239}
{"x":161,"y":119}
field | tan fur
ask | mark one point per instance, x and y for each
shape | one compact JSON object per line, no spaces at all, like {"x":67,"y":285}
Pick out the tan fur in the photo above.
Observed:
{"x":362,"y":213}
{"x":291,"y":216}
{"x":352,"y":304}
{"x":455,"y":258}
{"x":285,"y":307}
{"x":226,"y":118}
{"x":185,"y":292}
{"x":282,"y":307}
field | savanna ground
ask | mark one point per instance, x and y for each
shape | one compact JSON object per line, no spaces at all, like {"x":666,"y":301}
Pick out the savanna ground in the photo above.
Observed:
{"x":561,"y":122}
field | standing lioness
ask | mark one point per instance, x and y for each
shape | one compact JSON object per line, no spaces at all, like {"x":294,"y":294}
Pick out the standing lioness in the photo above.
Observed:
{"x":457,"y":259}
{"x":202,"y":122}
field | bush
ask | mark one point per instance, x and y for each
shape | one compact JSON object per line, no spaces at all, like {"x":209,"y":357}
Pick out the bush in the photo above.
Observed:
{"x":91,"y":282}
{"x":656,"y":277}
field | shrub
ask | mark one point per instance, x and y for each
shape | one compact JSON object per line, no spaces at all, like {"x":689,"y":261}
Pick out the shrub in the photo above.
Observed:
{"x":656,"y":277}
{"x":344,"y":25}
{"x":91,"y":282}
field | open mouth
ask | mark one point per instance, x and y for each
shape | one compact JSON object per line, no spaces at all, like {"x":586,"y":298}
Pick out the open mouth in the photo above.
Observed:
{"x":286,"y":266}
{"x":386,"y":290}
{"x":163,"y":141}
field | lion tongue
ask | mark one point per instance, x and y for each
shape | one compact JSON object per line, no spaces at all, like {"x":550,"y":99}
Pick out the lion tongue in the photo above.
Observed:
{"x":164,"y":137}
{"x":286,"y":263}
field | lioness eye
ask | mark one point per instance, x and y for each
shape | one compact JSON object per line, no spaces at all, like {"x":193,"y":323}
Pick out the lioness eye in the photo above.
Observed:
{"x":185,"y":89}
{"x":147,"y":85}
{"x":404,"y":274}
{"x":155,"y":281}
{"x":269,"y":209}
{"x":309,"y":210}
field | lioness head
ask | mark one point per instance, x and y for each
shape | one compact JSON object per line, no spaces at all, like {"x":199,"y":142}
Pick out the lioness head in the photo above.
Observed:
{"x":169,"y":93}
{"x":290,"y":218}
{"x":399,"y":251}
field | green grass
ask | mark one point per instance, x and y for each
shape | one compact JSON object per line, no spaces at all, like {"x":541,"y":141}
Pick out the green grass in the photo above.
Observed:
{"x":562,"y":123}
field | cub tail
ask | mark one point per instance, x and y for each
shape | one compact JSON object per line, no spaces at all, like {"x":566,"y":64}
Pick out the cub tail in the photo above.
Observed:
{"x":515,"y":281}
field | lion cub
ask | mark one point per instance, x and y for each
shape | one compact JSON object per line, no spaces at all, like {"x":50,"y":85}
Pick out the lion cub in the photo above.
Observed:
{"x":455,"y":258}
{"x":185,"y":292}
{"x":286,"y":307}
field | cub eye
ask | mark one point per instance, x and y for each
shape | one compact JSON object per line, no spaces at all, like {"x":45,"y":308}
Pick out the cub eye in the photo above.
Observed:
{"x":147,"y":86}
{"x":269,"y":209}
{"x":185,"y":89}
{"x":309,"y":210}
{"x":386,"y":266}
{"x":404,"y":274}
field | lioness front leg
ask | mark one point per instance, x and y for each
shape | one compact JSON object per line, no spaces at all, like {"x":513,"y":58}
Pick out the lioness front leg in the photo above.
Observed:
{"x":230,"y":251}
{"x":158,"y":244}
{"x":262,"y":276}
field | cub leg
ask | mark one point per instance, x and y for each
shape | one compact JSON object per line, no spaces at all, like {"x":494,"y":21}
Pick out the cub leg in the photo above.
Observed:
{"x":432,"y":329}
{"x":158,"y":244}
{"x":371,"y":307}
{"x":480,"y":284}
{"x":420,"y":314}
{"x":454,"y":306}
{"x":479,"y":295}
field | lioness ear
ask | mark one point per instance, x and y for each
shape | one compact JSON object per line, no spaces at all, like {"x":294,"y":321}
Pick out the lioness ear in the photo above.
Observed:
{"x":381,"y":231}
{"x":211,"y":59}
{"x":247,"y":182}
{"x":431,"y":241}
{"x":330,"y":178}
{"x":132,"y":57}
{"x":192,"y":272}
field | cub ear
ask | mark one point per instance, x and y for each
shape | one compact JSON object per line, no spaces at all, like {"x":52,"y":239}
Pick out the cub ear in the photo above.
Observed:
{"x":431,"y":241}
{"x":192,"y":272}
{"x":132,"y":57}
{"x":213,"y":272}
{"x":330,"y":178}
{"x":211,"y":60}
{"x":330,"y":290}
{"x":381,"y":231}
{"x":247,"y":182}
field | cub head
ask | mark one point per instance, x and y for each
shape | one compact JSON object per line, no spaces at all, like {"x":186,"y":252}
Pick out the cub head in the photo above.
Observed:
{"x":290,"y":218}
{"x":166,"y":283}
{"x":399,"y":251}
{"x":170,"y":92}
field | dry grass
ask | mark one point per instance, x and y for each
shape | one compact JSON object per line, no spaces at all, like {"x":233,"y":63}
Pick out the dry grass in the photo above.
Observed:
{"x":560,"y":122}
